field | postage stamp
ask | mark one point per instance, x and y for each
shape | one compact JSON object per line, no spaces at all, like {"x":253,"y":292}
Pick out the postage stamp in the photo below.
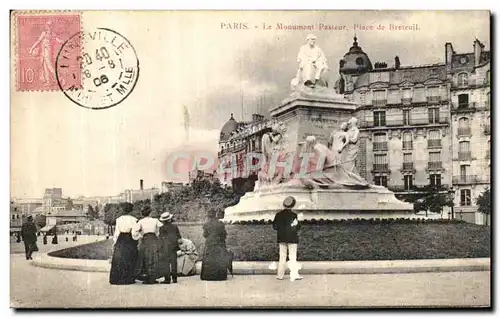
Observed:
{"x":39,"y":38}
{"x":106,"y":72}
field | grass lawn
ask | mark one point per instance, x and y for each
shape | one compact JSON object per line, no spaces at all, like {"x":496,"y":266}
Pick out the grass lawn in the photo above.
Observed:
{"x":337,"y":241}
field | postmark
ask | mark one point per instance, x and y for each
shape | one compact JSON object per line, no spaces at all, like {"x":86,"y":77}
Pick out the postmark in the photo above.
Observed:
{"x":106,"y":72}
{"x":39,"y":38}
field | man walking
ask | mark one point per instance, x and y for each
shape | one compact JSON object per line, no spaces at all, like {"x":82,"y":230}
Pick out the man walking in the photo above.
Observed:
{"x":28,"y":233}
{"x":287,"y":225}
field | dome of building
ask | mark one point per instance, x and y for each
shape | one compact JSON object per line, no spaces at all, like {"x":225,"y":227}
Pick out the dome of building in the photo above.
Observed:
{"x":355,"y":61}
{"x":229,"y":127}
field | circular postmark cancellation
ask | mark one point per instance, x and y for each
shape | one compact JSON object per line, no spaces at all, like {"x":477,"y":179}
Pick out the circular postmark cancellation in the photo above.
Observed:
{"x":97,"y":69}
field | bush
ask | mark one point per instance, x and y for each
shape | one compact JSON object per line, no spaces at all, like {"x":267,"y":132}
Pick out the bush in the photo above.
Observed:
{"x":339,"y":241}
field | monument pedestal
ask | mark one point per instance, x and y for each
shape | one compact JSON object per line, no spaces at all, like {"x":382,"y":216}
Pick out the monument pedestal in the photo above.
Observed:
{"x":316,"y":112}
{"x":312,"y":112}
{"x":329,"y":204}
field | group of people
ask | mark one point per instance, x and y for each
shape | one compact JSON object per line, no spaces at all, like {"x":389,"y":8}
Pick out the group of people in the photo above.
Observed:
{"x":152,"y":250}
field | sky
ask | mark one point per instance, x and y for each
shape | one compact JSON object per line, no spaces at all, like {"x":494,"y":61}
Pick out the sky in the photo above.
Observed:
{"x":188,"y":60}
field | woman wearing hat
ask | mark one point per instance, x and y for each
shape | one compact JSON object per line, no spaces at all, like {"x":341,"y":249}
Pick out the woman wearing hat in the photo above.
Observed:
{"x":287,"y":225}
{"x":169,"y":245}
{"x":124,"y":256}
{"x":148,"y":262}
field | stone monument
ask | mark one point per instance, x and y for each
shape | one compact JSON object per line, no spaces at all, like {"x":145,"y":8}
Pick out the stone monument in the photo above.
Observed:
{"x":311,"y":153}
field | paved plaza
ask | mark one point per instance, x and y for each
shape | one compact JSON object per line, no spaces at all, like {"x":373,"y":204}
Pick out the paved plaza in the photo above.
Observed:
{"x":39,"y":287}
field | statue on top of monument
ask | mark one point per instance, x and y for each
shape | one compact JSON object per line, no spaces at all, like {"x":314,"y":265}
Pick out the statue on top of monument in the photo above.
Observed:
{"x":312,"y":64}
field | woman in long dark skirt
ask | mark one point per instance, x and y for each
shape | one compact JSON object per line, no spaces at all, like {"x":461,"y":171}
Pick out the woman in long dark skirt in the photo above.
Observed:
{"x":124,"y":249}
{"x":148,"y":262}
{"x":214,"y":263}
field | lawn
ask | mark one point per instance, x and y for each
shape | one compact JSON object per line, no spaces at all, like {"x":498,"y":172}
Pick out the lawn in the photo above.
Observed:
{"x":337,"y":241}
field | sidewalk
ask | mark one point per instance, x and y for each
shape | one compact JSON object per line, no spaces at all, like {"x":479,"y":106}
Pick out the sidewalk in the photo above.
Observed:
{"x":74,"y":289}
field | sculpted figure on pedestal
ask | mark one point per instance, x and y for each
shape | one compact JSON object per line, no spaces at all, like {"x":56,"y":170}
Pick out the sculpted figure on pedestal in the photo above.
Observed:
{"x":312,"y":64}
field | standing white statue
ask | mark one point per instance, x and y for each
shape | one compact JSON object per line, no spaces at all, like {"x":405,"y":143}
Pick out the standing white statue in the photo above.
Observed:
{"x":312,"y":63}
{"x":350,"y":151}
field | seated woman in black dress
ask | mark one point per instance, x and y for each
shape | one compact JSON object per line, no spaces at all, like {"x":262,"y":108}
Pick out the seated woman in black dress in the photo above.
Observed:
{"x":214,"y":263}
{"x":124,"y":249}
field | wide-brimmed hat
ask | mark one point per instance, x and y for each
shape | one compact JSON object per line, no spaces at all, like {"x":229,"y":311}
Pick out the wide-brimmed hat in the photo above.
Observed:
{"x":289,"y":202}
{"x":166,"y":216}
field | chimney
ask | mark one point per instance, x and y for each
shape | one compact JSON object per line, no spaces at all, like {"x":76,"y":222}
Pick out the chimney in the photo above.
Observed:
{"x":448,"y":55}
{"x":141,"y":184}
{"x":397,"y":63}
{"x":478,"y":49}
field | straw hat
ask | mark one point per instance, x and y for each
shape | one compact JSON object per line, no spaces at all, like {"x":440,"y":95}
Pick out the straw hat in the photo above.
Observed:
{"x":166,"y":216}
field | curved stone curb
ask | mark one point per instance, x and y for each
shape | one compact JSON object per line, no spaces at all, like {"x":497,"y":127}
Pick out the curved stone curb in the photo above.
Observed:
{"x":335,"y":267}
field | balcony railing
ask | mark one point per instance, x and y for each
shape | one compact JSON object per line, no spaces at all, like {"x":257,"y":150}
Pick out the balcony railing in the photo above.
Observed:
{"x":470,"y":179}
{"x":406,"y":101}
{"x":433,"y":143}
{"x":435,"y":165}
{"x":407,"y":145}
{"x":433,"y":99}
{"x":381,"y":167}
{"x":487,"y":130}
{"x":464,"y":107}
{"x":407,"y":166}
{"x":380,"y":146}
{"x":400,"y":122}
{"x":466,"y":179}
{"x":464,"y":131}
{"x":464,"y":155}
{"x":379,"y":102}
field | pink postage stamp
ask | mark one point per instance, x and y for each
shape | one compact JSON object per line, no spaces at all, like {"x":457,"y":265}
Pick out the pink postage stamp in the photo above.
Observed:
{"x":39,"y":39}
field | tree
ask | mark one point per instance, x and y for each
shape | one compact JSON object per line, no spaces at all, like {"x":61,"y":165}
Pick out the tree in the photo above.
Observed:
{"x":69,"y":204}
{"x":483,"y":202}
{"x":91,"y":213}
{"x":429,"y":198}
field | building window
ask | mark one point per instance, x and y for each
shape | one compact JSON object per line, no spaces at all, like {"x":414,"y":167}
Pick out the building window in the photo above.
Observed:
{"x":380,"y":141}
{"x":381,"y":163}
{"x":435,"y":160}
{"x":407,"y":140}
{"x":380,"y":181}
{"x":434,"y":115}
{"x":407,"y":161}
{"x":379,"y":118}
{"x":408,"y":180}
{"x":433,"y":91}
{"x":379,"y":98}
{"x":406,"y":117}
{"x":487,"y":126}
{"x":13,"y":217}
{"x":407,"y":96}
{"x":488,"y":77}
{"x":463,"y":127}
{"x":435,"y":180}
{"x":465,"y":197}
{"x":463,"y":100}
{"x":463,"y":80}
{"x":488,"y":100}
{"x":464,"y":172}
{"x":464,"y":150}
{"x":434,"y":139}
{"x":488,"y":150}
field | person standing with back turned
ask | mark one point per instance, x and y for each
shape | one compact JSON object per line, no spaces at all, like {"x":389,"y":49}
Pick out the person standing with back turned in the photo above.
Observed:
{"x":287,"y":225}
